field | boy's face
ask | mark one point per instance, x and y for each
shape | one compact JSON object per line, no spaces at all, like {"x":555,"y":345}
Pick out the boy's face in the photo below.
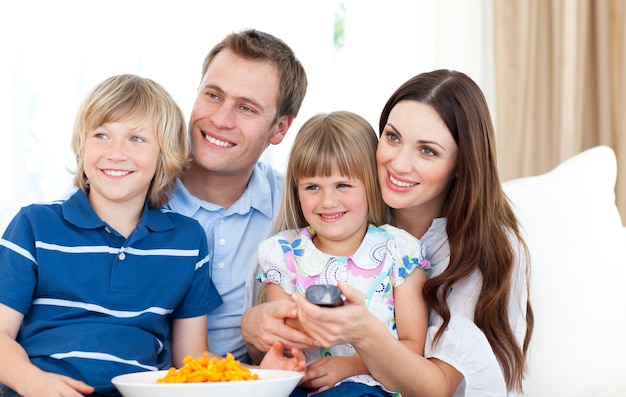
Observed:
{"x":120,"y":162}
{"x":233,"y":118}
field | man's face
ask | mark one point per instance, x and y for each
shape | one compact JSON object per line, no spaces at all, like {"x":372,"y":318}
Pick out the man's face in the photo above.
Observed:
{"x":233,"y":118}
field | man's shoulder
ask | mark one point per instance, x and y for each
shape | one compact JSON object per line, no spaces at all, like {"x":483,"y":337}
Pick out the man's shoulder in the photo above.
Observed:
{"x":179,"y":219}
{"x":270,"y":174}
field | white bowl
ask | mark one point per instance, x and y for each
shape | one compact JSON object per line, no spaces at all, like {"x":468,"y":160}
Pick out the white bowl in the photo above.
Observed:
{"x":272,"y":383}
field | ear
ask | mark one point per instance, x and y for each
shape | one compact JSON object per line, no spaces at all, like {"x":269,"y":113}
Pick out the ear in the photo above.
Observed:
{"x":282,"y":125}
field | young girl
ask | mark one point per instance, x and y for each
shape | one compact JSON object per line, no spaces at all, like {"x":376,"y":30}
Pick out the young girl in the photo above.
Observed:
{"x":330,"y":230}
{"x":92,"y":286}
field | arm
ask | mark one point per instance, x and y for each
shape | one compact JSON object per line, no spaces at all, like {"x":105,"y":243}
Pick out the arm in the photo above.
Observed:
{"x":189,"y":338}
{"x":411,"y":311}
{"x":411,"y":320}
{"x":268,"y":322}
{"x":408,"y":372}
{"x":19,"y":374}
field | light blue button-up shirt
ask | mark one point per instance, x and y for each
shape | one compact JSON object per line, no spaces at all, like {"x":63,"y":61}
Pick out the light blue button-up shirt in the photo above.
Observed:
{"x":233,"y":235}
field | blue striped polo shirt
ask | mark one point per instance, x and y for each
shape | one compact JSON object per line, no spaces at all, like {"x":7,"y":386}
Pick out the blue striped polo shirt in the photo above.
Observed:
{"x":97,"y":304}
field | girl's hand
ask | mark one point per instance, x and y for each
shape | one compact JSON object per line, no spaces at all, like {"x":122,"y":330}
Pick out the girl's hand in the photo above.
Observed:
{"x":49,"y":384}
{"x":328,"y":371}
{"x":275,"y":359}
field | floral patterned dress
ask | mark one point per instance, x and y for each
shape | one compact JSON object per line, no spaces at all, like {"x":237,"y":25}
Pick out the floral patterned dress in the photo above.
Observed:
{"x":384,"y":259}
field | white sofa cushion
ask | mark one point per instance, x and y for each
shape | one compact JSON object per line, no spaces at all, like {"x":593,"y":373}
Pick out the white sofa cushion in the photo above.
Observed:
{"x":578,"y":281}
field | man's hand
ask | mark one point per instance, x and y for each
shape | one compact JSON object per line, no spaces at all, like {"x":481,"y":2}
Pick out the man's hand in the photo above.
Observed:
{"x":264,"y":324}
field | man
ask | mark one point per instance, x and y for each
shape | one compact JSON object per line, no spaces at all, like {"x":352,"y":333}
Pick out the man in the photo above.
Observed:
{"x":251,"y":90}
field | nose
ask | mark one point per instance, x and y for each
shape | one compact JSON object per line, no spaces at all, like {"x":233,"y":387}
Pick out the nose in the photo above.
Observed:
{"x":328,"y":198}
{"x":223,"y":116}
{"x":402,"y":161}
{"x":117,"y":150}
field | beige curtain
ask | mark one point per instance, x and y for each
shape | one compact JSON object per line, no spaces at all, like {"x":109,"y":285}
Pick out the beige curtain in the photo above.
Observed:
{"x":560,"y":83}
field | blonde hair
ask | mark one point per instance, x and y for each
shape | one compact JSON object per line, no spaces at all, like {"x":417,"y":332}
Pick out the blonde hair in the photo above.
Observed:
{"x":340,"y":139}
{"x":143,"y":102}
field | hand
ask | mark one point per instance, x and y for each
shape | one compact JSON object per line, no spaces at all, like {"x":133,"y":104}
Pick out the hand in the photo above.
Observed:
{"x":49,"y":384}
{"x":275,"y":359}
{"x":327,"y":371}
{"x":336,"y":325}
{"x":264,"y":324}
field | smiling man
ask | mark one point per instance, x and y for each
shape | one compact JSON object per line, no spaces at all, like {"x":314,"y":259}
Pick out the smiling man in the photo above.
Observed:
{"x":251,"y":90}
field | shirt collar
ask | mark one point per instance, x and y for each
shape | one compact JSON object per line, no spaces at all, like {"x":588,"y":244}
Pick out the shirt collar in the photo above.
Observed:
{"x":78,"y":211}
{"x":254,"y":197}
{"x":315,"y":261}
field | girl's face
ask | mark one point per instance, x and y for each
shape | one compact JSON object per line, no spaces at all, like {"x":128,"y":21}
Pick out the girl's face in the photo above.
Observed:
{"x":120,"y":163}
{"x":336,"y":207}
{"x":417,"y":158}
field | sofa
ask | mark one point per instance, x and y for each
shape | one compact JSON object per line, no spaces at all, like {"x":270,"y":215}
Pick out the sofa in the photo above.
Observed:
{"x":577,"y":244}
{"x":578,"y":276}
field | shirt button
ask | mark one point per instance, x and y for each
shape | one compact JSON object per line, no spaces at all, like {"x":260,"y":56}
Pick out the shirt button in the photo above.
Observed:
{"x":222,"y":241}
{"x":221,"y":221}
{"x":121,"y":256}
{"x":220,"y":265}
{"x":106,"y":229}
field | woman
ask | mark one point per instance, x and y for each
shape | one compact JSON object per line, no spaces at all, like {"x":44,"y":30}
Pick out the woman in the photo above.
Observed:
{"x":438,"y":173}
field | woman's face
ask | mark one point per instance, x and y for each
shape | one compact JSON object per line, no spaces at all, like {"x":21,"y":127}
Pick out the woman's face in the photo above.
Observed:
{"x":417,"y":158}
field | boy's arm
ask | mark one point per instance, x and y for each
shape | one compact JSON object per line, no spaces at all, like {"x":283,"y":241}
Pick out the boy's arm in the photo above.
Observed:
{"x":189,"y":338}
{"x":19,"y":374}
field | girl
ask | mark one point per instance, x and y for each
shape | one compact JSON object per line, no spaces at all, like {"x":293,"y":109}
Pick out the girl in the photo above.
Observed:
{"x":92,"y":286}
{"x":330,"y":231}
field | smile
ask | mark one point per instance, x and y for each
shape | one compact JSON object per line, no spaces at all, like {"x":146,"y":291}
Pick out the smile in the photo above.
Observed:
{"x":332,"y":216}
{"x":218,"y":142}
{"x":400,"y":183}
{"x":116,"y":172}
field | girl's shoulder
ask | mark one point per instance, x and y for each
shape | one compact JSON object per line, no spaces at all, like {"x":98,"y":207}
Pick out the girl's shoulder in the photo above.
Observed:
{"x":285,"y":238}
{"x":396,"y":233}
{"x":294,"y":234}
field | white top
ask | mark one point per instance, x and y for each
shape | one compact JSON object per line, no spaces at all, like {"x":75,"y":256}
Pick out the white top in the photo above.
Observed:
{"x":463,"y":345}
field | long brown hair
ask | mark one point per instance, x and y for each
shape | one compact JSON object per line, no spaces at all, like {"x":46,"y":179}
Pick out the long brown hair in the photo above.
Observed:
{"x":480,"y":220}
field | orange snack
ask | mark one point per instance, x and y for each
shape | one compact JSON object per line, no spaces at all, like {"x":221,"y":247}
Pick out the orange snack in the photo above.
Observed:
{"x":203,"y":369}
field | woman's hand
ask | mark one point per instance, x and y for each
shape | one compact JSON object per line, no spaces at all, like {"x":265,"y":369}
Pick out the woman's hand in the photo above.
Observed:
{"x":275,"y":359}
{"x":328,"y":371}
{"x":336,"y":325}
